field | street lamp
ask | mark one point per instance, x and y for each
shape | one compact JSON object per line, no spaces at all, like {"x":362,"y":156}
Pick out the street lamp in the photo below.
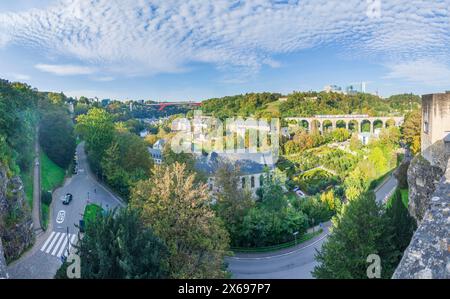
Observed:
{"x":295,"y":237}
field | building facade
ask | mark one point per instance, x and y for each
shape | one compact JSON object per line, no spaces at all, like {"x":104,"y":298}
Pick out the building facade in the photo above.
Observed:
{"x":435,"y":121}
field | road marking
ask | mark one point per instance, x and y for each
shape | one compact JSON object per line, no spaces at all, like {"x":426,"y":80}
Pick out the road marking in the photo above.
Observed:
{"x":64,"y":245}
{"x":61,"y":216}
{"x":57,"y":244}
{"x":73,"y":241}
{"x":53,"y":242}
{"x":48,"y":240}
{"x":280,"y":255}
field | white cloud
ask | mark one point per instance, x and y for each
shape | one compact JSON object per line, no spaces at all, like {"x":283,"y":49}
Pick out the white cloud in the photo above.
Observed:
{"x":20,"y":77}
{"x":422,"y":71}
{"x":132,"y":37}
{"x":103,"y":79}
{"x":65,"y":70}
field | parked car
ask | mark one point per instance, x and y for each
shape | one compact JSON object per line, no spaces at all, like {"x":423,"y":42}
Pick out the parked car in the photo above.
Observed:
{"x":300,"y":193}
{"x":66,"y":199}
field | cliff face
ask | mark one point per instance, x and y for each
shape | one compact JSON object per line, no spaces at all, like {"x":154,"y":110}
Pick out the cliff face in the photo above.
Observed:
{"x":3,"y":273}
{"x":428,"y":254}
{"x":16,"y":231}
{"x":423,"y":178}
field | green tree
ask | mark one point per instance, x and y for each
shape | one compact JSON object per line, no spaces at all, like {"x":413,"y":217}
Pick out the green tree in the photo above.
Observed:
{"x":178,"y":210}
{"x":97,"y":129}
{"x":233,"y":202}
{"x":411,"y":130}
{"x":340,"y":134}
{"x":400,"y":229}
{"x":57,"y":137}
{"x":116,"y":245}
{"x":357,"y":233}
{"x":378,"y":160}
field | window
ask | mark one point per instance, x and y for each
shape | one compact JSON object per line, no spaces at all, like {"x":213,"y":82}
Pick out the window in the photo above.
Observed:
{"x":252,"y":182}
{"x":243,"y":182}
{"x":425,"y":119}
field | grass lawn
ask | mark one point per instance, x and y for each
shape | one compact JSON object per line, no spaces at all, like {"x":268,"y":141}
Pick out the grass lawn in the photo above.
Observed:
{"x":90,"y":212}
{"x":405,"y":196}
{"x":52,"y":176}
{"x":27,"y":179}
{"x":45,"y":215}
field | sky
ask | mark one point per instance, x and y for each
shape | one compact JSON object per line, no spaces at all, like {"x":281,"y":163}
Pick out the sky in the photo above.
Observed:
{"x":172,"y":50}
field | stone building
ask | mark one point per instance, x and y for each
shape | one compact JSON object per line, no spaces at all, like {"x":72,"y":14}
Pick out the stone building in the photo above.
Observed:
{"x":435,"y":122}
{"x":428,"y":254}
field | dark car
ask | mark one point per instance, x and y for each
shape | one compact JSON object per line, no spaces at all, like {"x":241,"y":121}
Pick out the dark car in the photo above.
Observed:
{"x":67,"y":199}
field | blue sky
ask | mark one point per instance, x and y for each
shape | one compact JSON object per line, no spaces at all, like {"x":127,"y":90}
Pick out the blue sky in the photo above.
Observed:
{"x":198,"y":49}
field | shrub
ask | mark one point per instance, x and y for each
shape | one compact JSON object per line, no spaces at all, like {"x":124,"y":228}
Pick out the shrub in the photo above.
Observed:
{"x":46,"y":197}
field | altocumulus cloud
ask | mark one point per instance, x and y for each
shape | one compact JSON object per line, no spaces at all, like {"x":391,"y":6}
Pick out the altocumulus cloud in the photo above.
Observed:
{"x":163,"y":36}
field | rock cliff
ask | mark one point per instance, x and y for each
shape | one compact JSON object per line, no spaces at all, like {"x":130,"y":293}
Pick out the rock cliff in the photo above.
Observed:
{"x":3,"y":273}
{"x":428,"y":254}
{"x":16,"y":231}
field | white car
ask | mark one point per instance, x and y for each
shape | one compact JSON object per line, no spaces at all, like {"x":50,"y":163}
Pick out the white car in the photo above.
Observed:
{"x":300,"y":193}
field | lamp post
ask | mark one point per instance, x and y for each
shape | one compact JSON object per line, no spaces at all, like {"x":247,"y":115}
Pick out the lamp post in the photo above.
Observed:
{"x":295,"y":237}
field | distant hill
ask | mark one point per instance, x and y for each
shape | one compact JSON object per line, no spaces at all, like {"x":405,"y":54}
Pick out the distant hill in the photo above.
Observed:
{"x":308,"y":104}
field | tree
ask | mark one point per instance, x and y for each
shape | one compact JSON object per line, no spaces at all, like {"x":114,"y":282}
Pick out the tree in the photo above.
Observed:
{"x":233,"y":202}
{"x":377,"y":158}
{"x":355,"y":143}
{"x":97,"y":128}
{"x":117,"y":245}
{"x":150,"y":139}
{"x":340,"y":134}
{"x":411,"y":130}
{"x":357,"y":233}
{"x":303,"y":140}
{"x":56,"y":136}
{"x":290,"y":147}
{"x":178,"y":210}
{"x":400,"y":229}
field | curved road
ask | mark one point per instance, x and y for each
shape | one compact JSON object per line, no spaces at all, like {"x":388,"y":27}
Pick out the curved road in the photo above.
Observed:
{"x":295,"y":262}
{"x":292,"y":263}
{"x":44,"y":259}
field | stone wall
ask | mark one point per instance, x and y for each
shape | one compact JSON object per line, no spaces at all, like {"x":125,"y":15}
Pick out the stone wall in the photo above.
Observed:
{"x":3,"y":273}
{"x":428,"y":254}
{"x":16,"y":225}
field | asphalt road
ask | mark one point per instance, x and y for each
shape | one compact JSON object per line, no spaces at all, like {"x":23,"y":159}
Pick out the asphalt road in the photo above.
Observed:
{"x":386,"y":189}
{"x":291,"y":263}
{"x":44,"y":259}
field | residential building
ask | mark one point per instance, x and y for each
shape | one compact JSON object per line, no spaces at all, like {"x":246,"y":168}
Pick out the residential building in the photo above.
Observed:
{"x":157,"y":151}
{"x":252,"y":168}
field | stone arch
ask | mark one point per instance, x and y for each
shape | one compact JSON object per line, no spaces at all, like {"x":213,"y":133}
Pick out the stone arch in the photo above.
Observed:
{"x":315,"y":125}
{"x":377,"y":124}
{"x":366,"y":126}
{"x":327,"y":125}
{"x":303,"y":123}
{"x":390,"y":122}
{"x":353,"y":125}
{"x":341,"y":124}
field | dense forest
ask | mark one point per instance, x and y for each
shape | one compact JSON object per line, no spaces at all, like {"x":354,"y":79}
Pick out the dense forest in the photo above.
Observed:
{"x":24,"y":111}
{"x":308,"y":104}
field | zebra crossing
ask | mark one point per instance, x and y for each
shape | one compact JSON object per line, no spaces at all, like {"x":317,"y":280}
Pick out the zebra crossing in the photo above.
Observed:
{"x":58,"y":243}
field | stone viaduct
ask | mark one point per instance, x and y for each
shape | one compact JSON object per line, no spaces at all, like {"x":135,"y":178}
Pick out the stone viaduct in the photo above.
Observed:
{"x":322,"y":122}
